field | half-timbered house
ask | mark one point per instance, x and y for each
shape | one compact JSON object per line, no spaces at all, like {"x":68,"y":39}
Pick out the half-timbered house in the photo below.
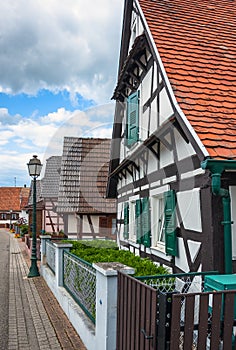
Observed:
{"x":12,"y":205}
{"x":173,"y":152}
{"x":52,"y":221}
{"x":87,"y":213}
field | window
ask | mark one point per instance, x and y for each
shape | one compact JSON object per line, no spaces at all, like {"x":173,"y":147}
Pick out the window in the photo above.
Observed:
{"x":107,"y":225}
{"x":143,"y":228}
{"x":164,"y":222}
{"x":132,"y":126}
{"x":13,"y":216}
{"x":3,"y":216}
{"x":126,"y":220}
{"x":137,"y":221}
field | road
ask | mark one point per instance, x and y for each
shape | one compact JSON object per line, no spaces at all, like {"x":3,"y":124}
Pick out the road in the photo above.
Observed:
{"x":4,"y":288}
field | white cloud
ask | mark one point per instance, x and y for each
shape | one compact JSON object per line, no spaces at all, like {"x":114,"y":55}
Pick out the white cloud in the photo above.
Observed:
{"x":72,"y":44}
{"x":44,"y":136}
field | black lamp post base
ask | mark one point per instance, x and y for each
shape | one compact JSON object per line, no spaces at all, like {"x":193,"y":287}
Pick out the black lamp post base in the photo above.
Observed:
{"x":33,"y":271}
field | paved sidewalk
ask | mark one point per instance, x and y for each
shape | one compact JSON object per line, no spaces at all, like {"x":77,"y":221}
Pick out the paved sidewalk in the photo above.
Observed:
{"x":36,"y":320}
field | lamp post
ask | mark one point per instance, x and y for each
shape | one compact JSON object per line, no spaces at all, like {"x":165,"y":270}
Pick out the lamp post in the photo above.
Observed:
{"x":34,"y":168}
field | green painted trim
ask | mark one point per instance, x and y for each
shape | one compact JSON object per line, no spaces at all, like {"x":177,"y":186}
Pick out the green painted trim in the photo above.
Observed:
{"x":216,"y":167}
{"x":191,"y":274}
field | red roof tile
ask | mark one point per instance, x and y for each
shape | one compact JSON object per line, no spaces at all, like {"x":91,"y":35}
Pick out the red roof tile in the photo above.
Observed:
{"x":13,"y":198}
{"x":196,"y":40}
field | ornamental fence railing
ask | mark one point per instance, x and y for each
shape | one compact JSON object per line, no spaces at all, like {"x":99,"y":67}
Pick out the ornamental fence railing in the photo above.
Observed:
{"x":51,"y":255}
{"x":181,"y":282}
{"x":79,"y":279}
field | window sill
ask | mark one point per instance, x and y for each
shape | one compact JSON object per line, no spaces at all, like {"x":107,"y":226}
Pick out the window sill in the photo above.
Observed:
{"x":159,"y":251}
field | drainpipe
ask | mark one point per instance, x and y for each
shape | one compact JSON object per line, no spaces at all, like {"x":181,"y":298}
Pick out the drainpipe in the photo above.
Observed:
{"x":216,"y":168}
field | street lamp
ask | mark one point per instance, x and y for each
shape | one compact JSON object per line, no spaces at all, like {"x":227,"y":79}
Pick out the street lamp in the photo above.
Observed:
{"x":34,"y":168}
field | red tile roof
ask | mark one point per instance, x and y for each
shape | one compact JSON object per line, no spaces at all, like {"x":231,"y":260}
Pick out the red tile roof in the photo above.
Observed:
{"x":196,"y":40}
{"x":13,"y":198}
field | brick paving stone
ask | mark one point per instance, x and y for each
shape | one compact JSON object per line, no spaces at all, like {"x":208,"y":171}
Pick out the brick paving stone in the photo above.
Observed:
{"x":26,"y":327}
{"x":57,"y":326}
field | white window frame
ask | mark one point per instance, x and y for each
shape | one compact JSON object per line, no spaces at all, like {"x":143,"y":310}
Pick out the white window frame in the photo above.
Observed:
{"x":132,"y":218}
{"x":157,"y":227}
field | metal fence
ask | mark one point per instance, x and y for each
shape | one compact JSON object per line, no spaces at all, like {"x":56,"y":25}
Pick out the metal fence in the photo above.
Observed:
{"x":191,"y":282}
{"x":80,"y":281}
{"x":51,"y":255}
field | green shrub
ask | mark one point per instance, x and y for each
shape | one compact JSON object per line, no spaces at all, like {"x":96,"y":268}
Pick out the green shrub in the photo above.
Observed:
{"x":24,"y":229}
{"x":107,"y":251}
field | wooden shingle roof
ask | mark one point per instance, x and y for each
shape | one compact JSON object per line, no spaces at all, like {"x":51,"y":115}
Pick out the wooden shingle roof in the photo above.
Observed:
{"x":50,"y":182}
{"x":196,"y":41}
{"x":83,"y":179}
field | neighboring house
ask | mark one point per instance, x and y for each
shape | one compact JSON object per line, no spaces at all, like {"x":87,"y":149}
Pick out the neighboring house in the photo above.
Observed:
{"x":12,"y":205}
{"x":52,"y":221}
{"x":83,"y":179}
{"x":39,"y":208}
{"x":173,"y":153}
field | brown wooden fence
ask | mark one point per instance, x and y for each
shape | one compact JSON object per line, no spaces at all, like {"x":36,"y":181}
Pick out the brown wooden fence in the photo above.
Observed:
{"x":203,"y":321}
{"x":136,"y":319}
{"x":151,"y":320}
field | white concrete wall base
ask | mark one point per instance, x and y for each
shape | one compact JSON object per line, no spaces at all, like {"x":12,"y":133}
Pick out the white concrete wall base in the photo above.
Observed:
{"x":82,"y":324}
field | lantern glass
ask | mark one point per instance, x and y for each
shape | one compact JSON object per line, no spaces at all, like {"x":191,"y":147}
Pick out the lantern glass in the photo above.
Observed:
{"x":34,"y":167}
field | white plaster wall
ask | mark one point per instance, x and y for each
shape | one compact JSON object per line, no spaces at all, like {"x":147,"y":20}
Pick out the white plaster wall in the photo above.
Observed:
{"x":233,"y":217}
{"x":152,"y":162}
{"x":190,"y":210}
{"x":193,"y":249}
{"x":146,"y":87}
{"x":166,"y":156}
{"x":136,"y":28}
{"x":24,"y":215}
{"x":129,"y":178}
{"x":154,"y":117}
{"x":143,"y":124}
{"x":165,"y":107}
{"x":184,"y":149}
{"x":72,"y":223}
{"x":181,"y":260}
{"x":95,"y":222}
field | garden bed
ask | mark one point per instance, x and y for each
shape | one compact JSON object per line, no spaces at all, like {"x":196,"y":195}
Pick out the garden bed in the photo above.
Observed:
{"x":107,"y":251}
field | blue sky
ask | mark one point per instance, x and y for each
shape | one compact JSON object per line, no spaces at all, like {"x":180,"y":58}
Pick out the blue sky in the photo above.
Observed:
{"x":43,"y":103}
{"x":58,"y":71}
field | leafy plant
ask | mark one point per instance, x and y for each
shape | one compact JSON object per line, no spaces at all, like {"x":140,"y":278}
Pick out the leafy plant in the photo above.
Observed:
{"x":24,"y":229}
{"x":107,"y":251}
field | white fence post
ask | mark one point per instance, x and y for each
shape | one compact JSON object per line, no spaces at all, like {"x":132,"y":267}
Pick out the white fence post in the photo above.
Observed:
{"x":59,"y":261}
{"x":44,"y":239}
{"x":106,"y":303}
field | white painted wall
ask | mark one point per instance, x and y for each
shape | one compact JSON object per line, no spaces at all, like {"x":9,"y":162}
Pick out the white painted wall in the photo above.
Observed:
{"x":190,"y":210}
{"x":165,"y":107}
{"x":72,"y":223}
{"x":181,"y":261}
{"x":95,"y":221}
{"x":184,"y":149}
{"x":166,"y":156}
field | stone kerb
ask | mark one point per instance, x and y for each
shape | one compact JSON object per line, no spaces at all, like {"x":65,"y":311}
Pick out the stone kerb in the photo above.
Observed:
{"x":106,"y":303}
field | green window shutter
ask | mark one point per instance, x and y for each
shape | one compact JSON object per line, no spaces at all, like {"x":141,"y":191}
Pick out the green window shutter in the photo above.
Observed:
{"x":132,"y":132}
{"x":138,"y":212}
{"x":126,"y":220}
{"x":170,"y":223}
{"x":146,"y":227}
